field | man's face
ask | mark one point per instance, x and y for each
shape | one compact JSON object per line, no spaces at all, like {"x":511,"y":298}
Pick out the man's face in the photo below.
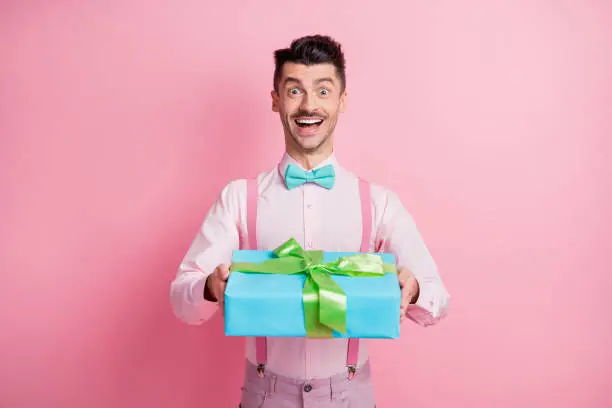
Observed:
{"x":308,"y":101}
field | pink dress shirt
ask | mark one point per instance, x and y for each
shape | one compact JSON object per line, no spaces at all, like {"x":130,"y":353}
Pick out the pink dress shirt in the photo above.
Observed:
{"x":318,"y":218}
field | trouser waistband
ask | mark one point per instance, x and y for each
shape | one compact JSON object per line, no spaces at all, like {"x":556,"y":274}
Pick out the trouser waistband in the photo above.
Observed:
{"x":274,"y":383}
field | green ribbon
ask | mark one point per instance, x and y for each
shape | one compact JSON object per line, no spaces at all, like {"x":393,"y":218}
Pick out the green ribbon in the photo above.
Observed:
{"x":324,"y":300}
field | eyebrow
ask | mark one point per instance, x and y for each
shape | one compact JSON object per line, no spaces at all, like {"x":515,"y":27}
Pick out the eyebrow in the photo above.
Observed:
{"x":318,"y":81}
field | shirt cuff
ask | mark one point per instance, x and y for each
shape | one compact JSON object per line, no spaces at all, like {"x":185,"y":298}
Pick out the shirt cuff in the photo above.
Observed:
{"x":428,"y":309}
{"x":200,"y":309}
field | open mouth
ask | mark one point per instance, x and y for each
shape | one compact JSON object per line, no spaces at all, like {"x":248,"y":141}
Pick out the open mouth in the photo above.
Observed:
{"x":306,"y":123}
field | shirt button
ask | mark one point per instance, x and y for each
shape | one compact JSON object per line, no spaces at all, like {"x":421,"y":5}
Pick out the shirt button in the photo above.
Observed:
{"x":309,"y":206}
{"x":307,"y":387}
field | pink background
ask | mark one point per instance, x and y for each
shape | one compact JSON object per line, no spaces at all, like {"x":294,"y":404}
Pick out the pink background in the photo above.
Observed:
{"x":492,"y":121}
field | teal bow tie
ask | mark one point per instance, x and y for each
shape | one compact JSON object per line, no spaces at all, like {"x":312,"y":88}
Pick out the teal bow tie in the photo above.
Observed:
{"x":295,"y":177}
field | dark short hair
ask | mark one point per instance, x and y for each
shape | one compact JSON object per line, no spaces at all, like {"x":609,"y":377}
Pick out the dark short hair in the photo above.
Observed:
{"x":311,"y":50}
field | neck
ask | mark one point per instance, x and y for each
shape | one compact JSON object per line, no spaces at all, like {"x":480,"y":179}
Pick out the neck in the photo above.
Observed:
{"x":309,"y":160}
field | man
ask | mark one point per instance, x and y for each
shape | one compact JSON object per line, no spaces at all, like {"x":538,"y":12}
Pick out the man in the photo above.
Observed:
{"x":309,"y":196}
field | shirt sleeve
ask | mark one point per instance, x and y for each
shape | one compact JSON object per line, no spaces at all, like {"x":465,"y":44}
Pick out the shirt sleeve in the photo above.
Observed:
{"x":398,"y":234}
{"x":216,"y":239}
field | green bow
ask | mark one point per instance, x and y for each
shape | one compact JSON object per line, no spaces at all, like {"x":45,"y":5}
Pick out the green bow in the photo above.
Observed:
{"x":324,"y":300}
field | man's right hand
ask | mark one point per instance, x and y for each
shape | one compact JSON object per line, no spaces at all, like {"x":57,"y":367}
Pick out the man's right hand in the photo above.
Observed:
{"x":215,"y":284}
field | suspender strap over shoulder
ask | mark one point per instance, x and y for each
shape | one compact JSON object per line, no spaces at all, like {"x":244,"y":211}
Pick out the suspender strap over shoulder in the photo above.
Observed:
{"x":261,"y":349}
{"x":366,"y":215}
{"x":252,"y":212}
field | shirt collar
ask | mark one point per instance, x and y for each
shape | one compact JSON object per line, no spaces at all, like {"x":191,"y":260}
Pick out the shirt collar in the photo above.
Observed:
{"x":287,"y":160}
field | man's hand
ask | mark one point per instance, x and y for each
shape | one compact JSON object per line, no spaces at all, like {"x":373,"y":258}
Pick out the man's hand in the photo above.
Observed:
{"x":410,"y":290}
{"x":215,"y":284}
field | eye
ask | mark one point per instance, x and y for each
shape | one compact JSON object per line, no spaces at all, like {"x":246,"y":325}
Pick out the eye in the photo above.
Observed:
{"x":324,"y":92}
{"x":294,"y":91}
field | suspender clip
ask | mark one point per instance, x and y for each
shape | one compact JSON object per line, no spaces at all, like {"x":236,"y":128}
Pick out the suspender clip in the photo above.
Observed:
{"x":260,"y":369}
{"x":351,"y":372}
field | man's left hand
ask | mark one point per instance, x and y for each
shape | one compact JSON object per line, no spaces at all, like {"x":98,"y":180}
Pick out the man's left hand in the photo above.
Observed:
{"x":410,"y":290}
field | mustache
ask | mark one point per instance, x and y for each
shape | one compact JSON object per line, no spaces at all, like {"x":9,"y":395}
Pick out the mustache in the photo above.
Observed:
{"x":303,"y":112}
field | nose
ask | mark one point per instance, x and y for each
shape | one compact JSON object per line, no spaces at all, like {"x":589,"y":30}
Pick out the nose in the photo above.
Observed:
{"x":308,"y":103}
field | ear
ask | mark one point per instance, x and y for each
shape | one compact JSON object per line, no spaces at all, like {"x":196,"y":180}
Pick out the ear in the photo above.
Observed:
{"x":343,"y":101}
{"x":274,"y":96}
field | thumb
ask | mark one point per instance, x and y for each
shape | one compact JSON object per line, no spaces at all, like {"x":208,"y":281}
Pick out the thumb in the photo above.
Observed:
{"x":223,"y":272}
{"x":403,"y":277}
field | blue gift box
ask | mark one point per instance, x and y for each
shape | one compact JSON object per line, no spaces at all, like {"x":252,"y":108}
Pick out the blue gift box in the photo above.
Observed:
{"x":271,"y":305}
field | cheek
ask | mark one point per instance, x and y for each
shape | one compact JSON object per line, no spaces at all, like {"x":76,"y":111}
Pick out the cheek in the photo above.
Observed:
{"x":331,"y":107}
{"x":289,"y":107}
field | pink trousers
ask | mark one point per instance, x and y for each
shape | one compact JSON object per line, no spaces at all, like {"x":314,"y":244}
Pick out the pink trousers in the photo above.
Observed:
{"x":274,"y":391}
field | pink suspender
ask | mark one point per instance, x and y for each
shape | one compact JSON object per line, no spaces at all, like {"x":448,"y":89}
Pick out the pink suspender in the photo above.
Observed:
{"x":261,"y":349}
{"x":352,"y":352}
{"x":366,"y":215}
{"x":252,"y":213}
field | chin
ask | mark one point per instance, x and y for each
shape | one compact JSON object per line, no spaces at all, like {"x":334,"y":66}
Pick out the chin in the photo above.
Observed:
{"x":309,"y":143}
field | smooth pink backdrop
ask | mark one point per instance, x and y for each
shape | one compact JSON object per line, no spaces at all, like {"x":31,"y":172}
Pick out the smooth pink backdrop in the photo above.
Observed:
{"x":120,"y":121}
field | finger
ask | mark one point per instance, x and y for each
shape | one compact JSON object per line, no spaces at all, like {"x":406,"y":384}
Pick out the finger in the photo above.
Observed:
{"x":406,"y":296}
{"x":222,"y":285}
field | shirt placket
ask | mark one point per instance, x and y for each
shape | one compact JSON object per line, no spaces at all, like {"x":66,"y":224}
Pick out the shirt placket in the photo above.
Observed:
{"x":309,"y":244}
{"x":309,"y":221}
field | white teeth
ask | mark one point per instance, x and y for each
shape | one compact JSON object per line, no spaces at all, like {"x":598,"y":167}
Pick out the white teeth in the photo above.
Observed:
{"x":309,"y":121}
